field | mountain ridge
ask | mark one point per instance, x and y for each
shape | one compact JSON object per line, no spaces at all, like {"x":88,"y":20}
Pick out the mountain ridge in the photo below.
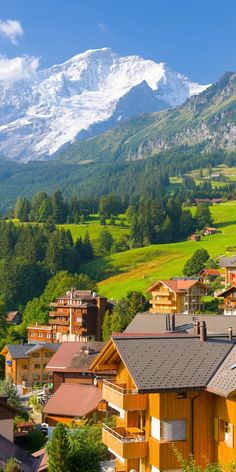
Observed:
{"x":87,"y":94}
{"x":208,"y":120}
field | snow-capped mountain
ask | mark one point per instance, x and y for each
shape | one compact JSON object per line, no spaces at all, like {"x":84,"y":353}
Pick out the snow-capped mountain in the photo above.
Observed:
{"x":86,"y":95}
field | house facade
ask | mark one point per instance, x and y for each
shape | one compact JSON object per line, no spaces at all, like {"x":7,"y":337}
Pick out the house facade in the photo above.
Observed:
{"x":177,"y":296}
{"x":170,"y":391}
{"x":229,"y":265}
{"x":229,"y":303}
{"x":75,"y":316}
{"x":26,"y":363}
{"x":208,"y":276}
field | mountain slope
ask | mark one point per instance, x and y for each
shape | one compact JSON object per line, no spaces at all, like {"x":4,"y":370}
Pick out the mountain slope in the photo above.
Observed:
{"x":207,"y":120}
{"x":84,"y":96}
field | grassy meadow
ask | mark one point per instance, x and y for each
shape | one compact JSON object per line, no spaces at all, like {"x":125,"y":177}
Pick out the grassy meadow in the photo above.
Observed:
{"x":139,"y":268}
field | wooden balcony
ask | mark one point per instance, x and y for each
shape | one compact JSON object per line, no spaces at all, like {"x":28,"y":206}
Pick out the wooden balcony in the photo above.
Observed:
{"x":59,"y":313}
{"x":125,"y":444}
{"x":59,"y":322}
{"x":125,"y":399}
{"x":163,"y":302}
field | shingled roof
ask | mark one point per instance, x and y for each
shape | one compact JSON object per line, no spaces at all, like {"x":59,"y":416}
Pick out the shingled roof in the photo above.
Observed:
{"x":9,"y":450}
{"x":71,"y":357}
{"x":172,"y":363}
{"x":73,"y":400}
{"x":156,"y":323}
{"x":223,"y":383}
{"x":21,"y":351}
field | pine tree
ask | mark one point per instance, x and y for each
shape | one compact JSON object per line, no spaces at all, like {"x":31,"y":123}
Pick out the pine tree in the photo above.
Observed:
{"x":88,"y":253}
{"x":106,"y":326}
{"x":58,"y":450}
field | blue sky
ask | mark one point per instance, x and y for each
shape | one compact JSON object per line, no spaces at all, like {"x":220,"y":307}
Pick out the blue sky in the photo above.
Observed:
{"x":195,"y":37}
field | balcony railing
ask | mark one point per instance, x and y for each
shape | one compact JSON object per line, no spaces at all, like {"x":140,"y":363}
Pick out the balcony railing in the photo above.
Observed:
{"x":120,"y":395}
{"x":59,"y":322}
{"x":125,"y":444}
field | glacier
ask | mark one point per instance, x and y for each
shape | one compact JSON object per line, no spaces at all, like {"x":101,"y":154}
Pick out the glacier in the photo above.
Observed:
{"x":88,"y":94}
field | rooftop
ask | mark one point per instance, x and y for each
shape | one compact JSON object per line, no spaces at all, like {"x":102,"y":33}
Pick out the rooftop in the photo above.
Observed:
{"x":73,"y":400}
{"x":176,"y":285}
{"x":228,"y":261}
{"x":163,"y":364}
{"x":71,"y":356}
{"x":21,"y":351}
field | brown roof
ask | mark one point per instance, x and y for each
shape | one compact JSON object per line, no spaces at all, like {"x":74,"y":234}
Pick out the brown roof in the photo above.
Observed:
{"x":73,"y":400}
{"x":225,"y":292}
{"x":11,"y":316}
{"x":176,"y":285}
{"x":71,"y":357}
{"x":42,"y":455}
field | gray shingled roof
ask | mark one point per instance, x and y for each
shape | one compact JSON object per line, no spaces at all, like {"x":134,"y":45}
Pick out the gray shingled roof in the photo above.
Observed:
{"x":172,"y":363}
{"x":156,"y":323}
{"x":223,"y":383}
{"x":20,"y":351}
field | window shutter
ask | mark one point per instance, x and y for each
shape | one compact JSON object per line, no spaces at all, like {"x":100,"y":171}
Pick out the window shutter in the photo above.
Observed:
{"x":216,"y":429}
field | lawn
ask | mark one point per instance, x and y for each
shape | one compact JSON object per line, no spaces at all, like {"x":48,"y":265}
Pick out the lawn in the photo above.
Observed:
{"x":139,"y":268}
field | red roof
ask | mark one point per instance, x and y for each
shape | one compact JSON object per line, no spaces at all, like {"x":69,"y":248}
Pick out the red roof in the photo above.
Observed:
{"x":11,"y":316}
{"x":177,"y":286}
{"x":44,"y":459}
{"x":72,"y":400}
{"x":70,"y":356}
{"x":209,"y":272}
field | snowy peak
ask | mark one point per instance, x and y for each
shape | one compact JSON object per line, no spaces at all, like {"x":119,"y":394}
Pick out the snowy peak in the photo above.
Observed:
{"x":87,"y":94}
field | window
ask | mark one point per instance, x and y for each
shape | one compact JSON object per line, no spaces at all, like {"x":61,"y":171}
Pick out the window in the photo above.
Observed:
{"x":25,"y":366}
{"x":168,"y":430}
{"x":37,"y":366}
{"x":173,"y":430}
{"x":32,"y":334}
{"x":35,"y":354}
{"x":45,"y":376}
{"x":224,"y":431}
{"x":48,"y":354}
{"x":40,"y":335}
{"x":24,"y":378}
{"x":36,"y":376}
{"x":48,"y":335}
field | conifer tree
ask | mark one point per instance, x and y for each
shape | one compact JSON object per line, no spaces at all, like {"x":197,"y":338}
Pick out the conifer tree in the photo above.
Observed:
{"x":58,"y":450}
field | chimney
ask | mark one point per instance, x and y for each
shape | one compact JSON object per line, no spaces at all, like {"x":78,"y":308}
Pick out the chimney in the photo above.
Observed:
{"x":196,"y":327}
{"x":203,"y":331}
{"x":230,"y":333}
{"x":173,"y":322}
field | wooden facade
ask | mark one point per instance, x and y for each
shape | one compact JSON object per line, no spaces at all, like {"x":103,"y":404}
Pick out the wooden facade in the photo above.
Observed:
{"x":28,"y":370}
{"x":177,"y":296}
{"x":229,"y":304}
{"x":75,"y":316}
{"x":149,"y":425}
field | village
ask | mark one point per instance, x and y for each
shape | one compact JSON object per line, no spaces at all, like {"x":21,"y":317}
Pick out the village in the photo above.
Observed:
{"x":169,"y":378}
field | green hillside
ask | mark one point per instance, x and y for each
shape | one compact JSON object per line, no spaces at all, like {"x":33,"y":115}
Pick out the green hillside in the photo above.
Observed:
{"x":138,"y":268}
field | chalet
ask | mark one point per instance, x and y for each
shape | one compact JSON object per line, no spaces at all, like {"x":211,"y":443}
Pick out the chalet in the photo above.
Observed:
{"x":75,"y":316}
{"x":71,"y":402}
{"x":229,"y":264}
{"x":170,"y":390}
{"x":202,"y":201}
{"x":194,"y":237}
{"x":229,"y":305}
{"x":70,"y":371}
{"x":25,"y":363}
{"x":207,"y":231}
{"x":71,"y":363}
{"x":207,"y":276}
{"x":13,"y":317}
{"x":177,"y":296}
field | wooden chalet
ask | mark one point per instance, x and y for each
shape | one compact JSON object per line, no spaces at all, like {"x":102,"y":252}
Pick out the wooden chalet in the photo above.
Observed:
{"x":207,"y":231}
{"x":75,"y":316}
{"x":207,"y":276}
{"x":229,"y":265}
{"x":170,"y":390}
{"x":229,"y":304}
{"x":177,"y":296}
{"x":194,"y":237}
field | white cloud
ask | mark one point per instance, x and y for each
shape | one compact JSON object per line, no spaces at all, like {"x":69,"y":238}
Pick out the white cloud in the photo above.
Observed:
{"x":17,"y":68}
{"x":11,"y":29}
{"x":103,"y":27}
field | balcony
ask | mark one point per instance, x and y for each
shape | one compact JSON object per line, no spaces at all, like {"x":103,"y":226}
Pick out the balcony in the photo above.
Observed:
{"x":163,"y":302}
{"x":125,"y":399}
{"x":124,"y":443}
{"x":59,"y":313}
{"x":59,"y":322}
